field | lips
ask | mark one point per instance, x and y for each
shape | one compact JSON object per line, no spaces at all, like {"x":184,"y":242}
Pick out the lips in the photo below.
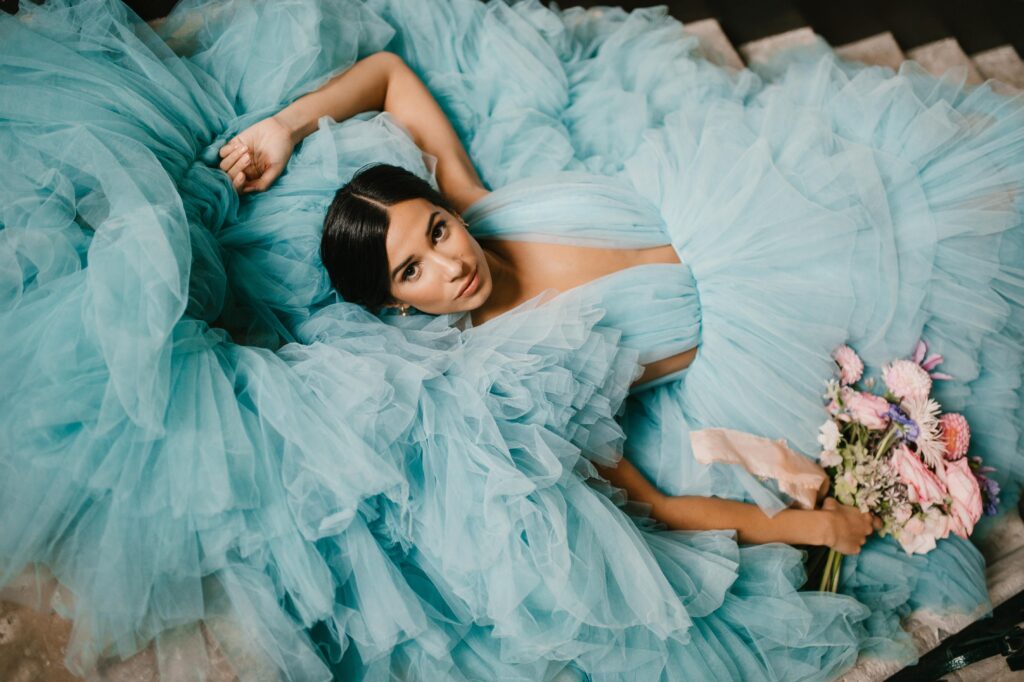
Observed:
{"x":469,"y":282}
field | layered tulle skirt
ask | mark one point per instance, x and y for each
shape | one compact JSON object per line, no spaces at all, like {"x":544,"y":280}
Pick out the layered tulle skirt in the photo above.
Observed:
{"x":199,"y":439}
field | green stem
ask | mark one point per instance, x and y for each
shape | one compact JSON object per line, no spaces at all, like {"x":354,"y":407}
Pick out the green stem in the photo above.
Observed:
{"x":835,"y":573}
{"x":887,"y":439}
{"x":826,"y":575}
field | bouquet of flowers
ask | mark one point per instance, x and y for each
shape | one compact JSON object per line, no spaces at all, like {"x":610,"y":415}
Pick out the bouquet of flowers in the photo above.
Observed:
{"x":897,"y":456}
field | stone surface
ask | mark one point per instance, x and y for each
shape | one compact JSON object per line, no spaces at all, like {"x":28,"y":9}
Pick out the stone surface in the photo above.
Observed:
{"x":877,"y":50}
{"x":939,"y":57}
{"x":714,"y":45}
{"x":760,"y":50}
{"x":1004,"y":65}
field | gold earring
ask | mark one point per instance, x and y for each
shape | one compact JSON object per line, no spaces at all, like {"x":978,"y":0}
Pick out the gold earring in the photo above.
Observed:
{"x":405,"y":310}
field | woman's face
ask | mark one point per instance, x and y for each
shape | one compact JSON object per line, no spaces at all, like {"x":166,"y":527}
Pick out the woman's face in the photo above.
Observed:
{"x":434,"y":264}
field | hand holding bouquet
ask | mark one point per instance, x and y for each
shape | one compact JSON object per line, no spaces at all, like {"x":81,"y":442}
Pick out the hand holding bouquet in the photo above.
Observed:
{"x":897,"y":456}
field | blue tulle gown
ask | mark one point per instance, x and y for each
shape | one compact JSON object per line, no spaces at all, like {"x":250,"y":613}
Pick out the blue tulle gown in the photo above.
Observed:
{"x":201,"y":442}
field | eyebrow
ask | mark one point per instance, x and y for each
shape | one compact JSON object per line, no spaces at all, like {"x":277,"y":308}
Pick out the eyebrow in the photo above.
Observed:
{"x":430,"y":225}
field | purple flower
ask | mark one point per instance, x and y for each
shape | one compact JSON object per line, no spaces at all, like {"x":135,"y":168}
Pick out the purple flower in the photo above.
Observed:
{"x":989,"y":487}
{"x":990,"y":493}
{"x":909,"y":428}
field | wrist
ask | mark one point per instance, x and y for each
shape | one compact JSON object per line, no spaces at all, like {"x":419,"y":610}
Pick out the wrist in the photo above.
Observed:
{"x":293,"y":120}
{"x":824,"y":532}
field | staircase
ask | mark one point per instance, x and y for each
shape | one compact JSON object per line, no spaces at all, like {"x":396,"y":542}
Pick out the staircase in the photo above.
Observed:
{"x":929,"y":41}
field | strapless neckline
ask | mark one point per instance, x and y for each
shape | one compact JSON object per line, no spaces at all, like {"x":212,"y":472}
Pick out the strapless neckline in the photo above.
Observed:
{"x":583,"y":289}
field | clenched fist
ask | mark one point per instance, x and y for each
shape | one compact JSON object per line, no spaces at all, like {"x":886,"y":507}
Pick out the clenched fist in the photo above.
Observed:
{"x":848,"y":528}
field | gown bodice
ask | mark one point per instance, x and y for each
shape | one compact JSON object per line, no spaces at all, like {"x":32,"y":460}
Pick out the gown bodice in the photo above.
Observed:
{"x":654,"y":305}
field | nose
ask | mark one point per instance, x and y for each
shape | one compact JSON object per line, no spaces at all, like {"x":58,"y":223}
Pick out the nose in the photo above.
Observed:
{"x":452,"y":267}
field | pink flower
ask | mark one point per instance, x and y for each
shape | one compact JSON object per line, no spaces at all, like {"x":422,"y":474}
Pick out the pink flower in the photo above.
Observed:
{"x":907,"y":379}
{"x":866,"y":408}
{"x":928,"y":363}
{"x":956,"y":433}
{"x":850,"y":366}
{"x":963,"y":488}
{"x":913,"y":538}
{"x":923,"y":486}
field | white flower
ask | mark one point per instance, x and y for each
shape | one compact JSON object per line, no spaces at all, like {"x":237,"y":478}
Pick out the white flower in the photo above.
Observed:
{"x":913,"y":537}
{"x":930,"y":443}
{"x":936,"y":523}
{"x":916,"y":544}
{"x":830,"y":458}
{"x":828,"y":435}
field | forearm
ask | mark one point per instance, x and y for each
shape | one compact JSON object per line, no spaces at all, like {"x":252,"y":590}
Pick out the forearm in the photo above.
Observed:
{"x":361,"y":87}
{"x":792,"y":526}
{"x":383,"y":82}
{"x":630,"y":479}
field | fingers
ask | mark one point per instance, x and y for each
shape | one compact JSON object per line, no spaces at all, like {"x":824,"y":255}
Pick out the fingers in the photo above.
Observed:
{"x":867,"y":524}
{"x":263,"y":181}
{"x":231,"y":147}
{"x":876,"y":522}
{"x":235,"y":159}
{"x":237,"y":181}
{"x":239,"y":165}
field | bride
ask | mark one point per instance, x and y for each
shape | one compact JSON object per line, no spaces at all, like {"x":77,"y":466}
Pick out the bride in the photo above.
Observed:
{"x":391,"y":239}
{"x":221,"y":435}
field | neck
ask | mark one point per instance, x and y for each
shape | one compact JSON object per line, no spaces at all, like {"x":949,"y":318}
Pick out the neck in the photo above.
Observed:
{"x":504,"y":281}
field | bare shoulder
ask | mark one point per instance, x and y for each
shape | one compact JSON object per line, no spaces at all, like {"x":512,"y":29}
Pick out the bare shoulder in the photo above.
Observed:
{"x":465,"y":195}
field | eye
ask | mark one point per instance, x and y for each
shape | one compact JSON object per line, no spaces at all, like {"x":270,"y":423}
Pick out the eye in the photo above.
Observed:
{"x":440,"y":224}
{"x":410,"y":270}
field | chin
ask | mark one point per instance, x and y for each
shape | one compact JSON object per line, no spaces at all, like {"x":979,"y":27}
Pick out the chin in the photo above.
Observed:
{"x":481,"y":295}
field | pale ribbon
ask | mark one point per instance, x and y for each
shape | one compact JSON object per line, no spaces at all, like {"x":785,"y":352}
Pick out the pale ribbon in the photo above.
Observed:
{"x":799,"y":477}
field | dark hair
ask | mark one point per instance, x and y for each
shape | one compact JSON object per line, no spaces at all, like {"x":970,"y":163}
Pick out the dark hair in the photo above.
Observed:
{"x":356,"y":226}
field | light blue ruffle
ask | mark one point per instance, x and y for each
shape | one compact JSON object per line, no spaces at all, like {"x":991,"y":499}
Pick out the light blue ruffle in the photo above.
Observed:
{"x":196,"y":430}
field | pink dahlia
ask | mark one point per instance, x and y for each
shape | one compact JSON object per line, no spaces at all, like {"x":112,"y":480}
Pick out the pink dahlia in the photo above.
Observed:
{"x":850,"y":365}
{"x":907,"y":379}
{"x":956,"y":434}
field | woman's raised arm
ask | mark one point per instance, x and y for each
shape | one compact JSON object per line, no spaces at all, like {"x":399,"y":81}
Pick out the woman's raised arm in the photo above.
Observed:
{"x":384,"y":82}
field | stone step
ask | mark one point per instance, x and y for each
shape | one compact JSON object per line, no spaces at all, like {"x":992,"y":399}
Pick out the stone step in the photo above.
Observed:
{"x":878,"y":50}
{"x":714,"y":45}
{"x":942,"y":55}
{"x":1002,"y":64}
{"x":760,"y":50}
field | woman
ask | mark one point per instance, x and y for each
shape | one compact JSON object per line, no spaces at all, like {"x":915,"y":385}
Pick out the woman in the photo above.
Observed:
{"x":443,"y":269}
{"x":325,"y":491}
